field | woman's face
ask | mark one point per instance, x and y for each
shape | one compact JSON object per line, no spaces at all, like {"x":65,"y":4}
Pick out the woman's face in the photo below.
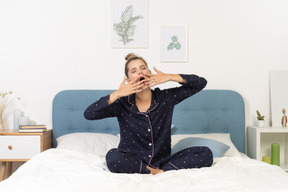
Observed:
{"x":137,"y":70}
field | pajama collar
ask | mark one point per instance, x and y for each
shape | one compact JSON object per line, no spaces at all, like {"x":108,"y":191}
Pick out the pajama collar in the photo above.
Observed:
{"x":132,"y":102}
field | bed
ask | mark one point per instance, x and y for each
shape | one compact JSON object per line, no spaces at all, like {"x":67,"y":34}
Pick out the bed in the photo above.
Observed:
{"x":214,"y":118}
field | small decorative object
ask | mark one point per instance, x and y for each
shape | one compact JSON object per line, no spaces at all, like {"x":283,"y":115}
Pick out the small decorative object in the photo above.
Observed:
{"x":4,"y":100}
{"x":260,"y":118}
{"x":284,"y":118}
{"x":16,"y":115}
{"x":266,"y":159}
{"x":24,"y":121}
{"x":275,"y":154}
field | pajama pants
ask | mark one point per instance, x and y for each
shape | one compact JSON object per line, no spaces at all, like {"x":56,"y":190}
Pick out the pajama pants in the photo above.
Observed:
{"x":119,"y":161}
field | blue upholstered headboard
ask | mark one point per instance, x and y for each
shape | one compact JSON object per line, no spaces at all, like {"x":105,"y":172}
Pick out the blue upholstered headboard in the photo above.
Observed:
{"x":209,"y":111}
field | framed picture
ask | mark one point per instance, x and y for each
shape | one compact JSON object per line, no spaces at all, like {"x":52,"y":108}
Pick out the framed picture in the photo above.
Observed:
{"x":130,"y":23}
{"x":174,"y":44}
{"x":279,"y":97}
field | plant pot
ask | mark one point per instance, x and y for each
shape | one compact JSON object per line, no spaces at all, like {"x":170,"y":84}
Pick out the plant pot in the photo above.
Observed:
{"x":261,"y":123}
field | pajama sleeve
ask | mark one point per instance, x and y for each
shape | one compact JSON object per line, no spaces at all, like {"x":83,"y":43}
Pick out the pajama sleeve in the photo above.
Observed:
{"x":193,"y":85}
{"x":101,"y":109}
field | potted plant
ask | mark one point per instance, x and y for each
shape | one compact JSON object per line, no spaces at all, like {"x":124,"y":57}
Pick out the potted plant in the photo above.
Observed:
{"x":260,"y":118}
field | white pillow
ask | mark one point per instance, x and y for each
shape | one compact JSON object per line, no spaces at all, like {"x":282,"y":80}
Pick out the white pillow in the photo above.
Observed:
{"x":222,"y":137}
{"x":97,"y":143}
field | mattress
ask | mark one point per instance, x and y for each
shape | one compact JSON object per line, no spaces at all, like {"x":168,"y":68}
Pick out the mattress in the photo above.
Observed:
{"x":61,"y":170}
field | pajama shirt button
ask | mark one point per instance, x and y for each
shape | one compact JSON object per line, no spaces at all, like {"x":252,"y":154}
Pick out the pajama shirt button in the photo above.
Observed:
{"x":150,"y":144}
{"x":149,"y":130}
{"x":149,"y":156}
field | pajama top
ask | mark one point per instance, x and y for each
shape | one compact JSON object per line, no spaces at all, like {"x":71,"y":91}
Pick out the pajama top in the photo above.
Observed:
{"x":146,"y":134}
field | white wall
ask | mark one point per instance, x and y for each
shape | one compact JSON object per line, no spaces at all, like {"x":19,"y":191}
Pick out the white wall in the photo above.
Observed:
{"x":50,"y":45}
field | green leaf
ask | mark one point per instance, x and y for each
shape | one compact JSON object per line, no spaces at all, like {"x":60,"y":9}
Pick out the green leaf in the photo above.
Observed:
{"x":174,"y":38}
{"x":127,"y":14}
{"x":259,"y":116}
{"x":170,"y":46}
{"x":178,"y":46}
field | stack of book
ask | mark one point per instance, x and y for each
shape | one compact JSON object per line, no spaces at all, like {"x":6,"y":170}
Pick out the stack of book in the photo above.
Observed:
{"x":32,"y":128}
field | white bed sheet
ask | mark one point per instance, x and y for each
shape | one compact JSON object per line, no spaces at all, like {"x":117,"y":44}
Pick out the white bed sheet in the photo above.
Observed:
{"x":61,"y":170}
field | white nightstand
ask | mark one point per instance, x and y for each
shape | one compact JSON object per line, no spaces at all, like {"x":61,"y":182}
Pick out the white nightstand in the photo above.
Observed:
{"x":15,"y":146}
{"x":259,"y":142}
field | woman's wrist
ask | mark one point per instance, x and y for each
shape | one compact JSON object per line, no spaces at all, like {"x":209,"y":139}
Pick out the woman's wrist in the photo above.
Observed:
{"x":176,"y":78}
{"x":113,"y":97}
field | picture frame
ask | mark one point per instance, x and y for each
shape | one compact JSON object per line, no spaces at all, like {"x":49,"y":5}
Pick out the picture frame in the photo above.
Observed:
{"x":130,"y":24}
{"x":174,"y":44}
{"x":278,"y":96}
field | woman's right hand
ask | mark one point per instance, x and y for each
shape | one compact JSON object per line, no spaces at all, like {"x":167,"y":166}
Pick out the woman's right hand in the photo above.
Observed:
{"x":126,"y":88}
{"x":129,"y":87}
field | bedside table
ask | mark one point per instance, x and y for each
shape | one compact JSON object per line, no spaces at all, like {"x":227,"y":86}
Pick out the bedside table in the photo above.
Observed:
{"x":15,"y":146}
{"x":259,"y":142}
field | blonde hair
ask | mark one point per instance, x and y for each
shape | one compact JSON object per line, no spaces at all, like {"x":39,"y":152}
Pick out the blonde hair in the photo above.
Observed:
{"x":131,"y":57}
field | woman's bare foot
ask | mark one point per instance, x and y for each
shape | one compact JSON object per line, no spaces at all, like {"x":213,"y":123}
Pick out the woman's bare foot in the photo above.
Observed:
{"x":154,"y":171}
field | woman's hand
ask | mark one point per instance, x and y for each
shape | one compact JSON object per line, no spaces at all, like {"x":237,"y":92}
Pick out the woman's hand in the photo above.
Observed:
{"x":126,"y":88}
{"x":160,"y":77}
{"x":129,"y":87}
{"x":154,"y":171}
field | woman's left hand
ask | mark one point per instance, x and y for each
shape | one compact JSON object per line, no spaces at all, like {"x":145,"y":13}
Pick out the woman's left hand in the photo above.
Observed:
{"x":160,"y":77}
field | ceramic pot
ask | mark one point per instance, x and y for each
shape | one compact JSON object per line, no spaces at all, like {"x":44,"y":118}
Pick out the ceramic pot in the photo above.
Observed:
{"x":261,"y":123}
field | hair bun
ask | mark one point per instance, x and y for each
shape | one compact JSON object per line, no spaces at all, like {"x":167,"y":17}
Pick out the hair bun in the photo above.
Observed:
{"x":130,"y":55}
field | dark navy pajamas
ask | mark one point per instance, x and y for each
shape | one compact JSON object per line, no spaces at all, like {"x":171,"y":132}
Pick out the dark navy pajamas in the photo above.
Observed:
{"x":145,"y":137}
{"x":195,"y":157}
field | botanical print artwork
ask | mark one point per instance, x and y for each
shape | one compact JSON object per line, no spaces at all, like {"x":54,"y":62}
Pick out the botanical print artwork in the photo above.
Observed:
{"x":174,"y":44}
{"x":129,"y":24}
{"x":125,"y":29}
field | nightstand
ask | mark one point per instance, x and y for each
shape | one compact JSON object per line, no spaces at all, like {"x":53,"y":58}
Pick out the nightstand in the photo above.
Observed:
{"x":15,"y":147}
{"x":259,"y":142}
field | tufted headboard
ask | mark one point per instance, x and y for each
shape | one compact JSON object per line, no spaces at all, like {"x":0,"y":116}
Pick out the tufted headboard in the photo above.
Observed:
{"x":209,"y":111}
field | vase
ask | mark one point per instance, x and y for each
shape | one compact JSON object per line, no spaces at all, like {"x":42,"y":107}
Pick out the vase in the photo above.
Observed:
{"x":1,"y":123}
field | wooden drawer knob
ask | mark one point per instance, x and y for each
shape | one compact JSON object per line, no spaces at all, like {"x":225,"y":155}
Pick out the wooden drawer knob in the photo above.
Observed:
{"x":10,"y":147}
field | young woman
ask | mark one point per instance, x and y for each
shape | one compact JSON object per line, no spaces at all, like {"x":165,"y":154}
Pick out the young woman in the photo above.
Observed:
{"x":144,"y":117}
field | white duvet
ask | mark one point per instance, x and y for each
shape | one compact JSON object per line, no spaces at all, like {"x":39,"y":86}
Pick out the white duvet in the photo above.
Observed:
{"x":60,"y":170}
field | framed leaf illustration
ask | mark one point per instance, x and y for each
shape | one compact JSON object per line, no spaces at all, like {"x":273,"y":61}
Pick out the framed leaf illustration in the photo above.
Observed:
{"x":174,"y":44}
{"x":130,"y":24}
